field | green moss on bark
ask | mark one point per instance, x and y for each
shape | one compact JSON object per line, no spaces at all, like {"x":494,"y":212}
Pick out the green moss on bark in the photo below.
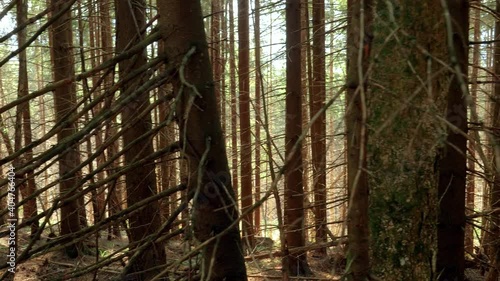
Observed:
{"x":407,"y":92}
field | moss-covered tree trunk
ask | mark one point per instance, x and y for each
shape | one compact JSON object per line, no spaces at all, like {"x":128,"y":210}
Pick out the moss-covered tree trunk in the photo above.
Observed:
{"x":405,"y":99}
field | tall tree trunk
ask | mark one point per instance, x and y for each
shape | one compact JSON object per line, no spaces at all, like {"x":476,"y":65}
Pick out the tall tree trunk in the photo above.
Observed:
{"x":306,"y":76}
{"x":296,"y":262}
{"x":471,"y":164}
{"x":215,"y":50}
{"x":214,"y":213}
{"x":245,"y":133}
{"x":141,"y":181}
{"x":107,"y":53}
{"x":359,"y":30}
{"x":114,"y":188}
{"x":234,"y":101}
{"x":5,"y":137}
{"x":453,"y":160}
{"x":165,"y":138}
{"x":40,"y":70}
{"x":485,"y":235}
{"x":30,"y":208}
{"x":408,"y":134}
{"x":223,"y":58}
{"x":106,"y":44}
{"x":258,"y":79}
{"x":64,"y":103}
{"x":9,"y":149}
{"x":318,"y":129}
{"x":97,"y":193}
{"x":494,"y":225}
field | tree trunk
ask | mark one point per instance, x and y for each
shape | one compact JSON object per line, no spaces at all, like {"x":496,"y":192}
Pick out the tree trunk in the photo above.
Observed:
{"x":306,"y":76}
{"x":296,"y":263}
{"x":453,"y":161}
{"x":165,"y":138}
{"x":356,"y":114}
{"x":471,"y":164}
{"x":405,"y":135}
{"x":318,"y":129}
{"x":141,"y":181}
{"x":494,"y":225}
{"x":107,"y":54}
{"x":258,"y":79}
{"x":64,"y":103}
{"x":245,"y":133}
{"x":30,"y":208}
{"x":485,"y":235}
{"x":215,"y":51}
{"x":214,"y":214}
{"x":234,"y":102}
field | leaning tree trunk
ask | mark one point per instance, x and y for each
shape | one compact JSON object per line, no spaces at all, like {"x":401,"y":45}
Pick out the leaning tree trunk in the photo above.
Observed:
{"x":214,"y":213}
{"x":140,"y":181}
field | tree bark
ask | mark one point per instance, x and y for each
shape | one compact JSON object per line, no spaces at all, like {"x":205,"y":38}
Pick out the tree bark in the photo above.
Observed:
{"x":30,"y":208}
{"x":114,"y":188}
{"x":471,"y":164}
{"x":296,"y":263}
{"x":215,"y":51}
{"x":318,"y":129}
{"x":406,"y":110}
{"x":453,"y":161}
{"x":214,"y":212}
{"x":258,"y":79}
{"x":494,"y":225}
{"x":234,"y":102}
{"x":306,"y":76}
{"x":64,"y":103}
{"x":359,"y":29}
{"x":245,"y":127}
{"x":141,"y":181}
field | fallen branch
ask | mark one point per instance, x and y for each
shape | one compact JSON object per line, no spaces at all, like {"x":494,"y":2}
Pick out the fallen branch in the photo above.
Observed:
{"x":293,"y":277}
{"x":74,"y":266}
{"x":296,"y":250}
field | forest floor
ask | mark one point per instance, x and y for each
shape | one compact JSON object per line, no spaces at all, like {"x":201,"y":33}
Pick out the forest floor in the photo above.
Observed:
{"x":56,"y":266}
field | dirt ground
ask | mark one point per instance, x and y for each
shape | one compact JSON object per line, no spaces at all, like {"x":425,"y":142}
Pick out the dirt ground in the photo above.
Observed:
{"x":53,"y":266}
